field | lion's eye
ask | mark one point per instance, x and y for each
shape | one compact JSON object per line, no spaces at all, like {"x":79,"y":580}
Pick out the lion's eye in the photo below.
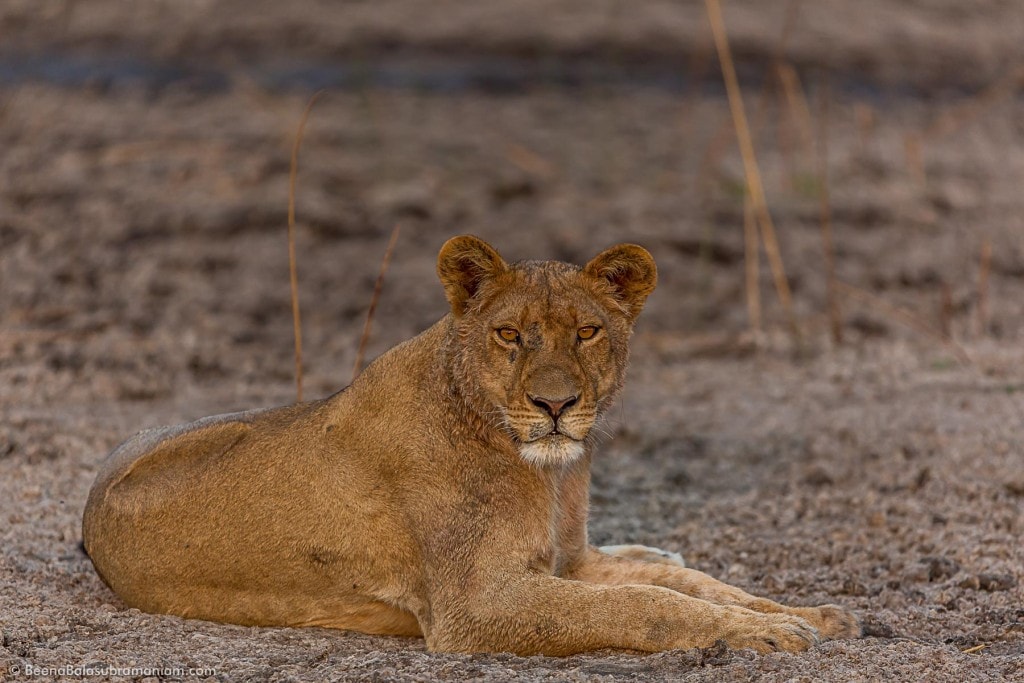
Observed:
{"x":509,"y":334}
{"x":587,"y":332}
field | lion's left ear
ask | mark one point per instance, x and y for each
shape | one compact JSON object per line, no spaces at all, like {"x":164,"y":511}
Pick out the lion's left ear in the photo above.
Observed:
{"x":464,"y":264}
{"x":631,"y":272}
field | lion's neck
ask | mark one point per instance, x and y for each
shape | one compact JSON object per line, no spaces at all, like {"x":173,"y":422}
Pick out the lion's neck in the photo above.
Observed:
{"x":469,"y":415}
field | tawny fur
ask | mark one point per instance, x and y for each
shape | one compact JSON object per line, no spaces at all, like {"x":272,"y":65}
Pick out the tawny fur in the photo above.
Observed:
{"x":443,"y":494}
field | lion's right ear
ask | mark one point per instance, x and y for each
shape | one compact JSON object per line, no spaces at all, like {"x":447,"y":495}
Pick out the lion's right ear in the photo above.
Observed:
{"x":631,"y":272}
{"x":465,"y":263}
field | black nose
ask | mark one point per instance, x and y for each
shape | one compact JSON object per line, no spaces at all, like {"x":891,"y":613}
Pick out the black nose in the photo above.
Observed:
{"x":553,"y":406}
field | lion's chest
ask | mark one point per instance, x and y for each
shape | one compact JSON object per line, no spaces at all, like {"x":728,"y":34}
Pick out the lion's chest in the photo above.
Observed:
{"x":559,"y":538}
{"x":530,"y":523}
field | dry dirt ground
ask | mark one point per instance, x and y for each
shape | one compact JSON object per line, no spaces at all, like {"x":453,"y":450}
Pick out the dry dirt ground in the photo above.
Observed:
{"x":143,"y":281}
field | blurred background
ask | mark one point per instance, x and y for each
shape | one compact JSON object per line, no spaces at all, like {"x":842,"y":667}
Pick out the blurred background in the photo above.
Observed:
{"x":146,"y":152}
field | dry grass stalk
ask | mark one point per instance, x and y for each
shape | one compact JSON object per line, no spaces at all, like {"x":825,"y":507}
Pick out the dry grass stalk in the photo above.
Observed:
{"x":293,"y":271}
{"x":377,"y":286}
{"x":799,"y":110}
{"x":784,"y":140}
{"x":909,"y":319}
{"x":984,"y":270}
{"x":788,"y":24}
{"x":976,"y":648}
{"x":752,"y":264}
{"x":723,"y":134}
{"x":753,"y":174}
{"x":835,"y":318}
{"x":778,"y":60}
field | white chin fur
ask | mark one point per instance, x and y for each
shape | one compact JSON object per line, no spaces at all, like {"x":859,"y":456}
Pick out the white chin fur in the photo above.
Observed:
{"x":552,"y":450}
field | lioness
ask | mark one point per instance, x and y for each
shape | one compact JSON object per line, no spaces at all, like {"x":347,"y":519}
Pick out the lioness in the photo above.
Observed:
{"x":443,"y":494}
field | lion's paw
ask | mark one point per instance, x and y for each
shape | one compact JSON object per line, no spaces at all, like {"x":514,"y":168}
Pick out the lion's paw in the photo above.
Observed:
{"x":832,"y":621}
{"x":644,"y":553}
{"x":773,"y":633}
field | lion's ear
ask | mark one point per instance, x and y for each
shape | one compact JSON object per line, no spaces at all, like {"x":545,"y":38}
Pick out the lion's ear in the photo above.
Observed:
{"x":465,"y":263}
{"x":631,"y":272}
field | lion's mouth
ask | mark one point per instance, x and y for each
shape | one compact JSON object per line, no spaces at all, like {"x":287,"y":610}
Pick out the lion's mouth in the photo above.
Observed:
{"x":553,"y":434}
{"x":538,"y":433}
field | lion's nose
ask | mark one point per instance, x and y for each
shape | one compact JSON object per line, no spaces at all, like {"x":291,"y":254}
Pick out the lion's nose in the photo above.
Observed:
{"x":553,"y":406}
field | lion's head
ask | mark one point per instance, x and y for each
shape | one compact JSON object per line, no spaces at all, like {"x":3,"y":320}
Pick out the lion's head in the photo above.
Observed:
{"x":540,"y":347}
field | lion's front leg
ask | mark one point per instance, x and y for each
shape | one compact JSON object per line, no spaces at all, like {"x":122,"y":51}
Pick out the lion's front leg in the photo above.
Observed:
{"x":621,"y":565}
{"x":540,"y":614}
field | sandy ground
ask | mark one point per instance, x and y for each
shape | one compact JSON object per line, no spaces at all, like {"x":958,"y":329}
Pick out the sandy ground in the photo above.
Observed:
{"x":143,"y":273}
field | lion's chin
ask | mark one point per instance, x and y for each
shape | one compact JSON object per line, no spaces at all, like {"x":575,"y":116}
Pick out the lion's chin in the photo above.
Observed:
{"x":554,"y":450}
